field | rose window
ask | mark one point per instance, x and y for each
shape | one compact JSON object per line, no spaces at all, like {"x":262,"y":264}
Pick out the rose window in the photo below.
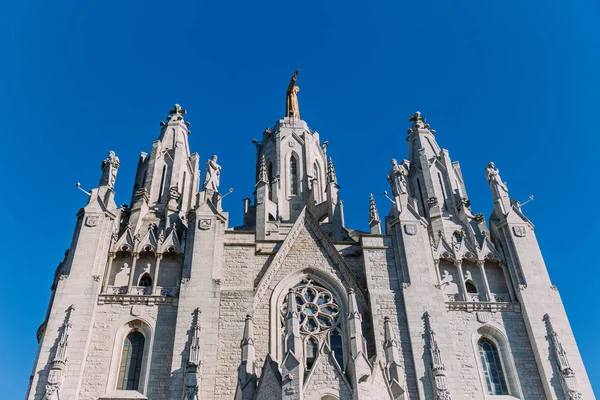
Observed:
{"x":316,"y":307}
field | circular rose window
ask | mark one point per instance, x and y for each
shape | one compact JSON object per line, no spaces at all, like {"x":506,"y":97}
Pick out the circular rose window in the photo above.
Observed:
{"x":316,"y":307}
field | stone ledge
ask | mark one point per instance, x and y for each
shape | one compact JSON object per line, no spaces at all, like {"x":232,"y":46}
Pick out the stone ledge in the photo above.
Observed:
{"x":472,"y":306}
{"x":123,"y":395}
{"x":136,"y":299}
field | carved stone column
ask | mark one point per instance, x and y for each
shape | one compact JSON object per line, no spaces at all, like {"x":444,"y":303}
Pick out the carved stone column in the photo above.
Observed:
{"x":488,"y":294}
{"x":156,"y":271}
{"x":111,"y":257}
{"x":462,"y":288}
{"x":134,"y":257}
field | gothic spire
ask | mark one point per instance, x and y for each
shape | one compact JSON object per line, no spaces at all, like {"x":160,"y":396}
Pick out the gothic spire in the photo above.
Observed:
{"x":374,"y":221}
{"x":194,"y":362}
{"x":247,"y":344}
{"x":59,"y":362}
{"x":331,"y":177}
{"x":439,"y":379}
{"x":293,"y":340}
{"x":354,"y":325}
{"x":568,"y":380}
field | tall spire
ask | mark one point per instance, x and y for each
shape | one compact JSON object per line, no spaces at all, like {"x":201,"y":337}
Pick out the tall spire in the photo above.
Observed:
{"x":374,"y":221}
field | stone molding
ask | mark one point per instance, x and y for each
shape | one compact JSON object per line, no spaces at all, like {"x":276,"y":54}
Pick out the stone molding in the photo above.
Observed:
{"x":472,"y":306}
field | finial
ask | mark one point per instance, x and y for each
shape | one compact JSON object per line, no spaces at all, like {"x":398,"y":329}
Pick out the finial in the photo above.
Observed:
{"x":262,"y":171}
{"x":373,"y":213}
{"x":177,"y":110}
{"x":331,"y":176}
{"x":416,"y":118}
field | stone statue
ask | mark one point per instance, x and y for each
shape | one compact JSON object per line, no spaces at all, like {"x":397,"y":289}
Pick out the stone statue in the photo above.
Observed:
{"x":213,"y":175}
{"x":291,"y":98}
{"x":397,"y":177}
{"x":498,"y":187}
{"x":109,"y":170}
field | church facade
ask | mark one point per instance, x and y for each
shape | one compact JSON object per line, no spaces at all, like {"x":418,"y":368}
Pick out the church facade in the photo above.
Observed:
{"x":163,"y":299}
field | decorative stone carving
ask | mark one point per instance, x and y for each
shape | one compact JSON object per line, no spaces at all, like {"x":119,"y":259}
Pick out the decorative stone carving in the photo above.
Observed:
{"x":92,"y":220}
{"x":438,"y":369}
{"x":520,"y":231}
{"x":410,"y":229}
{"x":568,"y":380}
{"x":432,"y":202}
{"x":58,"y":364}
{"x":109,"y":170}
{"x":204,"y":224}
{"x":483,"y":316}
{"x":331,"y":176}
{"x":212,"y":177}
{"x":192,"y":372}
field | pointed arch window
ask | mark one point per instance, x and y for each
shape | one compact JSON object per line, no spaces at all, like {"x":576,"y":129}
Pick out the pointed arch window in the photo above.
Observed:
{"x":471,"y":288}
{"x":335,"y":341}
{"x":131,"y":361}
{"x":492,"y":367}
{"x":312,"y":349}
{"x":146,"y":280}
{"x":293,"y":176}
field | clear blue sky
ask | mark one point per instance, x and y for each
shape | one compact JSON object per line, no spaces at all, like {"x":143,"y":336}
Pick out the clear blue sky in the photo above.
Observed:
{"x":511,"y":81}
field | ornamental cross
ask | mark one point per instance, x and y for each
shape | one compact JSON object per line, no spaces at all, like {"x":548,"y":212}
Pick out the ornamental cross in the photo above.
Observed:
{"x":416,"y":117}
{"x":177,"y":110}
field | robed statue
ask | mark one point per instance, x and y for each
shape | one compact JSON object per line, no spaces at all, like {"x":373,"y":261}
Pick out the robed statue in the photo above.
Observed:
{"x":397,"y":177}
{"x":498,"y":187}
{"x":109,"y":170}
{"x":212,"y":176}
{"x":291,"y":98}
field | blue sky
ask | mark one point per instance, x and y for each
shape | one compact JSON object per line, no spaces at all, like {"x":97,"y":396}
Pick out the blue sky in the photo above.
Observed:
{"x":514,"y":82}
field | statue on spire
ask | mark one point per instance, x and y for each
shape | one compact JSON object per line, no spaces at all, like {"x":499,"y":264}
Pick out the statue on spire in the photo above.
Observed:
{"x":291,"y":98}
{"x":397,"y":177}
{"x":498,"y":187}
{"x":109,"y":170}
{"x":212,"y":176}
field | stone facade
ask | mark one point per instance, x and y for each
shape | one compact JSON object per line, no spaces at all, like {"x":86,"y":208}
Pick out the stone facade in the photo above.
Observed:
{"x":164,"y":300}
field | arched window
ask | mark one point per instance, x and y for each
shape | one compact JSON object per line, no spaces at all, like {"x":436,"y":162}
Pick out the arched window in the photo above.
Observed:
{"x":471,"y":288}
{"x":312,"y":349}
{"x":131,"y":362}
{"x":492,"y":367}
{"x":146,"y":280}
{"x":293,"y":176}
{"x":335,"y":341}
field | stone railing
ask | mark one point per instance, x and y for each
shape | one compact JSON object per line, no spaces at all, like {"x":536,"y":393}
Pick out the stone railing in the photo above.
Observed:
{"x":142,"y":291}
{"x":501,"y":297}
{"x":475,"y":297}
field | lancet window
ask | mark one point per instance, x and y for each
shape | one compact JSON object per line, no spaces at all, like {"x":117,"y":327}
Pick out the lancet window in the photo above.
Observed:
{"x":293,"y":176}
{"x":492,"y":367}
{"x":131,"y":362}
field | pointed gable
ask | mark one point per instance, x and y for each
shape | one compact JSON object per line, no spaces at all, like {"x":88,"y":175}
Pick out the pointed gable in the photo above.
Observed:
{"x":326,"y":377}
{"x":307,"y":246}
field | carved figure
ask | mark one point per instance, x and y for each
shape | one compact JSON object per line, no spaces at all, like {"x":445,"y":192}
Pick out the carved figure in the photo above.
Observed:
{"x":291,"y":98}
{"x":213,"y":175}
{"x":498,"y":187}
{"x":397,"y":177}
{"x":109,"y":170}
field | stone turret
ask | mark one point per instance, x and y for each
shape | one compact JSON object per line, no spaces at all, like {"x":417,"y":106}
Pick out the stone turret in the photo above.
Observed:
{"x":167,"y":179}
